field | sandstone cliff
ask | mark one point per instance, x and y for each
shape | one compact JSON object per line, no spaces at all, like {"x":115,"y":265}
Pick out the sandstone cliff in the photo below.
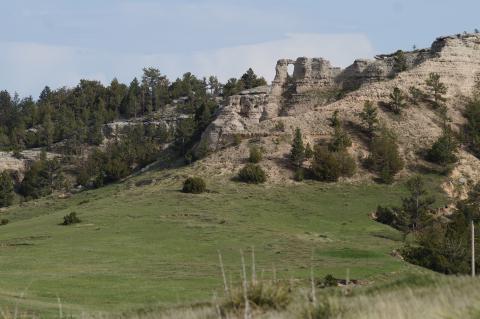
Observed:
{"x":267,"y":116}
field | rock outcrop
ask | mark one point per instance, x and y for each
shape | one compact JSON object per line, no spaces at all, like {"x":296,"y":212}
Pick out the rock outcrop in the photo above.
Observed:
{"x":297,"y":100}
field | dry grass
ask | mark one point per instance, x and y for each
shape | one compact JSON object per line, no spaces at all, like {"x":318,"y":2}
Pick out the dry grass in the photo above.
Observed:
{"x":452,"y":297}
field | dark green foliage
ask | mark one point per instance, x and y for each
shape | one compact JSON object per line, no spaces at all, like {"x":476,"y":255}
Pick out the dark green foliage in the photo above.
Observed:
{"x":120,"y":158}
{"x":443,"y":150}
{"x":194,"y":185}
{"x":255,"y":155}
{"x":389,"y":216}
{"x":330,"y":166}
{"x":397,"y":101}
{"x":444,"y":245}
{"x":384,"y":156}
{"x":4,"y":222}
{"x":416,"y":211}
{"x":369,"y":117}
{"x":308,"y":152}
{"x":71,"y":219}
{"x":252,"y":174}
{"x":251,"y":80}
{"x":340,"y":140}
{"x":41,"y":178}
{"x":436,"y":88}
{"x":400,"y":61}
{"x":248,"y":80}
{"x":6,"y":189}
{"x":299,"y":174}
{"x":297,"y":153}
{"x":471,"y":129}
{"x":329,"y":281}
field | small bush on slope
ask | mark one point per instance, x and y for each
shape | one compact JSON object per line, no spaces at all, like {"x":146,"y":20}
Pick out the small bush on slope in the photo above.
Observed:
{"x":252,"y":174}
{"x":71,"y":219}
{"x":255,"y":155}
{"x":194,"y":185}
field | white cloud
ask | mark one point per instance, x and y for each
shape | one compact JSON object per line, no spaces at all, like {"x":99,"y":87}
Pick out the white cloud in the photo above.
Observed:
{"x":28,"y":67}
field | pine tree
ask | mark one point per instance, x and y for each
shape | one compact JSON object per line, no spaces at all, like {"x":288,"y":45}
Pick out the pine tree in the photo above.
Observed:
{"x":384,"y":156}
{"x":297,"y":153}
{"x":6,"y":189}
{"x":340,"y":140}
{"x":48,"y":131}
{"x":308,"y":151}
{"x":443,"y":150}
{"x":436,"y":88}
{"x":369,"y":117}
{"x":397,"y":100}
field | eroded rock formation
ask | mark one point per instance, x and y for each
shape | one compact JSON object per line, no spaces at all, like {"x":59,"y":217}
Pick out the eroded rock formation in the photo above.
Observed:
{"x":455,"y":58}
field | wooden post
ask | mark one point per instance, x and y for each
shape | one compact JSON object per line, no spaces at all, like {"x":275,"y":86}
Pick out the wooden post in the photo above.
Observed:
{"x":473,"y":248}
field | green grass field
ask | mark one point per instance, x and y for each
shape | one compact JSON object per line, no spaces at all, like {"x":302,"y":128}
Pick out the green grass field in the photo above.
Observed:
{"x":153,"y":245}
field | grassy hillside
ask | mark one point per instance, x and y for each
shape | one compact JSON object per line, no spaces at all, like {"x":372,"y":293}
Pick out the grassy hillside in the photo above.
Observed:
{"x":153,"y":245}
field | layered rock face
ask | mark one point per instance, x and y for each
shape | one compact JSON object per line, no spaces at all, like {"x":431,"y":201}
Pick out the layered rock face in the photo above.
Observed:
{"x":310,"y":75}
{"x":291,"y":100}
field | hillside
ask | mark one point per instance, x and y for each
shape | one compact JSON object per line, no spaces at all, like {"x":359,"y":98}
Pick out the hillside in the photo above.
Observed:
{"x":268,"y":116}
{"x":147,"y":245}
{"x":142,"y":248}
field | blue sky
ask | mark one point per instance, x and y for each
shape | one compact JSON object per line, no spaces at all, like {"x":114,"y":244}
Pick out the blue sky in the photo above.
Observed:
{"x":56,"y":43}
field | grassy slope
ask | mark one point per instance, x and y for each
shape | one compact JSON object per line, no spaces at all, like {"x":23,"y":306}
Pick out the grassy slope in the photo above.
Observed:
{"x":149,"y":245}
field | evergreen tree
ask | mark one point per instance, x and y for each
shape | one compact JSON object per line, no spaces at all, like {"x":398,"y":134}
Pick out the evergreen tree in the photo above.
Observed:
{"x":48,"y":131}
{"x":437,"y":88}
{"x":384,"y":156}
{"x":340,"y":140}
{"x":369,"y":117}
{"x":443,"y":150}
{"x":308,"y":152}
{"x":471,"y":129}
{"x":397,"y":100}
{"x":297,"y":153}
{"x":251,"y":80}
{"x":6,"y":189}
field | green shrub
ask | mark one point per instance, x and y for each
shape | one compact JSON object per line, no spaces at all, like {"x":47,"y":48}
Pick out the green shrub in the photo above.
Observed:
{"x":252,"y":174}
{"x":443,"y":150}
{"x":340,"y":140}
{"x":329,"y":281}
{"x":436,"y":88}
{"x":71,"y":219}
{"x":297,"y":152}
{"x":384,"y":156}
{"x":194,"y":185}
{"x":255,"y":155}
{"x":4,"y":221}
{"x":299,"y":174}
{"x":471,"y":129}
{"x":397,"y":101}
{"x":330,"y":166}
{"x":6,"y":189}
